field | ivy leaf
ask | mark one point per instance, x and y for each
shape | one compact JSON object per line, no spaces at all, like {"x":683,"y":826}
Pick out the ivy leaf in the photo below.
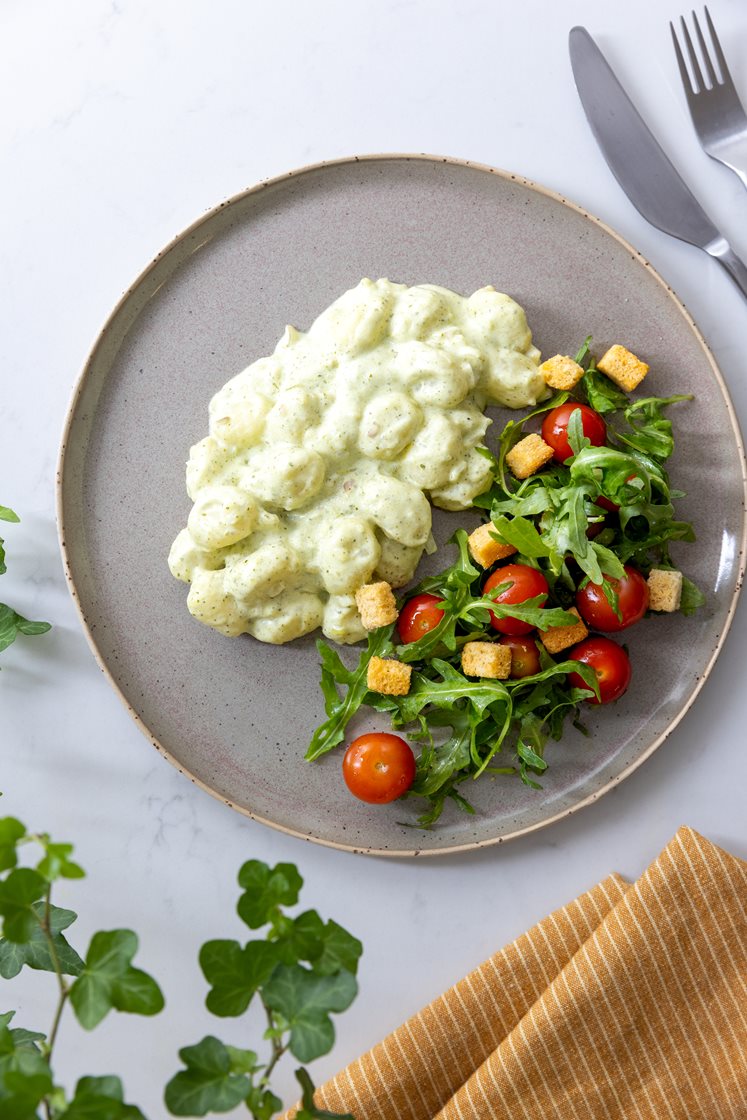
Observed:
{"x":263,"y":1104}
{"x":235,"y":974}
{"x":25,"y":1077}
{"x":108,"y":980}
{"x":326,"y":946}
{"x":12,"y":624}
{"x":340,"y":951}
{"x":308,"y":1110}
{"x":305,"y":1001}
{"x":265,"y":889}
{"x":11,"y":831}
{"x":100,"y":1098}
{"x":57,"y":864}
{"x":8,"y":515}
{"x":35,"y":952}
{"x":18,"y":892}
{"x":208,"y":1084}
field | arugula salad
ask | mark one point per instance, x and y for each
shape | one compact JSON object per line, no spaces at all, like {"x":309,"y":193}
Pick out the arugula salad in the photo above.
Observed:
{"x":487,"y":659}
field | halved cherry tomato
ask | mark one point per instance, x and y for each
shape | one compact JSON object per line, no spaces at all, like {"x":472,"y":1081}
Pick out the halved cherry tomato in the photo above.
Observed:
{"x":609,"y":661}
{"x":419,"y":616}
{"x":632,"y":600}
{"x":525,"y":658}
{"x":555,"y":428}
{"x":525,"y":583}
{"x":378,"y":767}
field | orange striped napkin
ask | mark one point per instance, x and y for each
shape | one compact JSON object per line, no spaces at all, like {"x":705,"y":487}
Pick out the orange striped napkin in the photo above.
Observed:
{"x":630,"y":1002}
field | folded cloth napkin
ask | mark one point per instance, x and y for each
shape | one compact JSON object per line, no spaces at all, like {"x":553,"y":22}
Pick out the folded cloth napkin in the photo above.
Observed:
{"x":630,"y":1002}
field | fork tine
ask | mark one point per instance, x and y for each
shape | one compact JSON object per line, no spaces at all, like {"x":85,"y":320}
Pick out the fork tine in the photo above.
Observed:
{"x":705,"y":53}
{"x":726,"y":77}
{"x":688,"y":86}
{"x":698,"y":82}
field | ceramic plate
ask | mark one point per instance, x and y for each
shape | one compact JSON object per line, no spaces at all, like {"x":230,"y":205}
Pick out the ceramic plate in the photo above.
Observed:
{"x":234,"y":715}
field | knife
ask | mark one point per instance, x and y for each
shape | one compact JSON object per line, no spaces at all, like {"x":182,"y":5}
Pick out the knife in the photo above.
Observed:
{"x":637,"y":160}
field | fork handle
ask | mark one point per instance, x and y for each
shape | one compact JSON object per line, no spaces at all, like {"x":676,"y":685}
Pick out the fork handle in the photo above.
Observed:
{"x":722,"y":251}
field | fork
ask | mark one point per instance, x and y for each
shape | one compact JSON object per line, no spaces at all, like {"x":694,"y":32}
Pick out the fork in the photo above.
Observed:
{"x":717,"y":113}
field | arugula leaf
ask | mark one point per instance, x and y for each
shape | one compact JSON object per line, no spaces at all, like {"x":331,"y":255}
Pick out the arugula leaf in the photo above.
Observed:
{"x":341,"y":709}
{"x":109,"y":981}
{"x":601,"y":393}
{"x":210,"y":1081}
{"x":692,"y":597}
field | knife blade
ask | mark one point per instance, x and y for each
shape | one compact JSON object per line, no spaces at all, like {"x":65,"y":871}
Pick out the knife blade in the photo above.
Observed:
{"x":637,"y":160}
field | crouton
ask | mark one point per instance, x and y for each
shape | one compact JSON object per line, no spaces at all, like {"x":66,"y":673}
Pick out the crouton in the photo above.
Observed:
{"x":486,"y":659}
{"x":529,"y":455}
{"x":623,"y":368}
{"x":376,"y":604}
{"x":561,"y":372}
{"x":558,"y":638}
{"x":664,"y":589}
{"x":388,"y":676}
{"x":485,"y":549}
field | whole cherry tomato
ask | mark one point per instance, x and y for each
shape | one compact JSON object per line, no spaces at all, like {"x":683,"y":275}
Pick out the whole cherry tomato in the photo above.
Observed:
{"x":378,"y":767}
{"x":632,"y":600}
{"x":419,"y":616}
{"x":609,"y":661}
{"x":525,"y":658}
{"x":525,"y":583}
{"x":555,"y":428}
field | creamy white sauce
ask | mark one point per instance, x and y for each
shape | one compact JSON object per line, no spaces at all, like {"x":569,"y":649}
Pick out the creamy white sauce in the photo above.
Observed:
{"x":313,"y":479}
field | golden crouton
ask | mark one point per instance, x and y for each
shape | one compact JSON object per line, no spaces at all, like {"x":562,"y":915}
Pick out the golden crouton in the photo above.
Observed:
{"x":486,"y":659}
{"x":376,"y":604}
{"x":561,"y":372}
{"x":664,"y":589}
{"x":529,"y":454}
{"x":623,"y":368}
{"x":388,"y":676}
{"x":485,"y":549}
{"x":561,"y":637}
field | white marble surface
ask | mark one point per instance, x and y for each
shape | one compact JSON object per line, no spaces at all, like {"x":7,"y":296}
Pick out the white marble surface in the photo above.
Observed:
{"x":121,"y":123}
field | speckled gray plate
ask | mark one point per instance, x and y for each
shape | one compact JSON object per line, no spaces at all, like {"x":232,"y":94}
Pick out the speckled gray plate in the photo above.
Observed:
{"x":234,"y":715}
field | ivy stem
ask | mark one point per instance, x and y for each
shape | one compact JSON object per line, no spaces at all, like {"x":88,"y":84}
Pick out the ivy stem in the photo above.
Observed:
{"x":64,"y":990}
{"x":278,"y":1049}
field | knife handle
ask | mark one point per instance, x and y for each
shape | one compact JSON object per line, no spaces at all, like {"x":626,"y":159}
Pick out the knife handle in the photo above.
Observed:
{"x":722,"y":251}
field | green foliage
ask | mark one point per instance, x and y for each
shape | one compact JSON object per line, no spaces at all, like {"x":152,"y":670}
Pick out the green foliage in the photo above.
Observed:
{"x":11,"y":622}
{"x":34,"y":936}
{"x":301,"y":972}
{"x":109,"y":982}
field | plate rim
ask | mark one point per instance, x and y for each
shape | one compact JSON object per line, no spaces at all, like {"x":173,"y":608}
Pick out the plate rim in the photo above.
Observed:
{"x":99,"y":341}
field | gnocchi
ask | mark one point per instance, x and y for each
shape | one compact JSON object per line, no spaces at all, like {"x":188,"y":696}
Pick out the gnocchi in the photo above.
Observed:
{"x":321,"y":458}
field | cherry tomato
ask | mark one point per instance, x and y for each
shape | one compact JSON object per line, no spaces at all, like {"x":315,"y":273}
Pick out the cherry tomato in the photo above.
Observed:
{"x":555,"y":428}
{"x":609,"y":661}
{"x":419,"y":616}
{"x":525,"y":658}
{"x":526,"y":583}
{"x":378,"y":767}
{"x":632,"y":600}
